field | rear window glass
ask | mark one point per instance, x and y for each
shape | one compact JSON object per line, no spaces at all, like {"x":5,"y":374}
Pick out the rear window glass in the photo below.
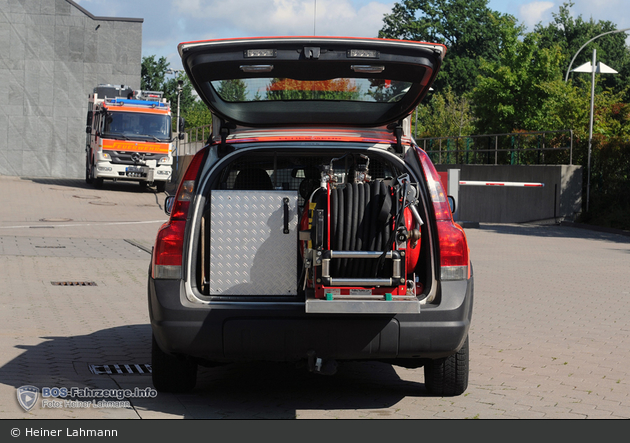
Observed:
{"x":337,"y":89}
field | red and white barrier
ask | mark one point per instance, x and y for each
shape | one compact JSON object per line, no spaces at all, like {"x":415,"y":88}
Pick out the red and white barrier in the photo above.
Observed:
{"x":517,"y":184}
{"x":451,"y":183}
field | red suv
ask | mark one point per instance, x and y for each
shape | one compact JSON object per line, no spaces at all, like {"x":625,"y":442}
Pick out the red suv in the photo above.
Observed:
{"x":311,"y":226}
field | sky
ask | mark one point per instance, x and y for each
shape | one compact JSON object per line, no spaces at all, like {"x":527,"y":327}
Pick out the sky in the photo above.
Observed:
{"x":170,"y":22}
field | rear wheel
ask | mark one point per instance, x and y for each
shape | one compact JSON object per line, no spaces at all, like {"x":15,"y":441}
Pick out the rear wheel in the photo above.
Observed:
{"x":171,"y":374}
{"x":448,"y":376}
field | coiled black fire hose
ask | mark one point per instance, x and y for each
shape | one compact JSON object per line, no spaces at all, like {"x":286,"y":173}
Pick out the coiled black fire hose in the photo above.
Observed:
{"x":360,"y":220}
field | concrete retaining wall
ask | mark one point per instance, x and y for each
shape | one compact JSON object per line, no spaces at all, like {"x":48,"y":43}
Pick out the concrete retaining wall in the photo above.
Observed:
{"x":561,"y":196}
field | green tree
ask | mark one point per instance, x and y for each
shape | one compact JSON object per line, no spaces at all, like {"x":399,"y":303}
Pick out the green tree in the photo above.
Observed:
{"x":445,"y":115}
{"x":386,"y":90}
{"x":610,"y":163}
{"x":334,"y":89}
{"x":234,"y":90}
{"x":571,"y":33}
{"x":154,"y":78}
{"x":153,"y":73}
{"x":196,"y":116}
{"x":466,"y":27}
{"x":186,"y":98}
{"x":523,"y":89}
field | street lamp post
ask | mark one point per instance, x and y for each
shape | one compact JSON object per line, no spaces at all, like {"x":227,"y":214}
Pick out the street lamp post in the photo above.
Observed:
{"x":566,"y":77}
{"x":593,"y":68}
{"x":590,"y":129}
{"x":180,"y":85}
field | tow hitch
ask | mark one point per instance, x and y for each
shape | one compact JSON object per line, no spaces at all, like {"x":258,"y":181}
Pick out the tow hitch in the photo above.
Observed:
{"x":321,"y":366}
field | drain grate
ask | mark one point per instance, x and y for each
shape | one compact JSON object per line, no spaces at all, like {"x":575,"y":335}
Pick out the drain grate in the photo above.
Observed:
{"x":131,"y":369}
{"x":51,"y":247}
{"x":73,"y":283}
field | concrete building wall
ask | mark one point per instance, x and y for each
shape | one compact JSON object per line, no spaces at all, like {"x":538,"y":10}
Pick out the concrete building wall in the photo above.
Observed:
{"x":561,"y":196}
{"x":52,"y":55}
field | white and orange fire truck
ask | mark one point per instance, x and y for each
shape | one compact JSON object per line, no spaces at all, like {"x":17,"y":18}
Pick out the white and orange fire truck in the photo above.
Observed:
{"x":129,"y":137}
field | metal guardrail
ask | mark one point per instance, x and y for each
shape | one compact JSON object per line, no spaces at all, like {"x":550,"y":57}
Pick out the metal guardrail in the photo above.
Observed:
{"x":448,"y":147}
{"x":194,"y":140}
{"x":520,"y":150}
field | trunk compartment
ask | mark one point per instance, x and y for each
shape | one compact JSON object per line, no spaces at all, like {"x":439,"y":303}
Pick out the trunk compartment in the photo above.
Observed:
{"x":343,"y":233}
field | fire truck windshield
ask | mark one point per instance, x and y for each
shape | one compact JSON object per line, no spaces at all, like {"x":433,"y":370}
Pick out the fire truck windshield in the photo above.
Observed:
{"x":136,"y":125}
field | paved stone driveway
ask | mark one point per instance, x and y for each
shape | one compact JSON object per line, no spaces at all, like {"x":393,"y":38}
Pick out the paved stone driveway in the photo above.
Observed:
{"x":549,"y":338}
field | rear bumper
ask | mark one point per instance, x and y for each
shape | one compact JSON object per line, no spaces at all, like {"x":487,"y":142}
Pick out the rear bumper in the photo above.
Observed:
{"x":225,"y":332}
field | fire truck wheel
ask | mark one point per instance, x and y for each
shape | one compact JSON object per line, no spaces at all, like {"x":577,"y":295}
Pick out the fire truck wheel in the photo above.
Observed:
{"x":448,"y":376}
{"x":171,"y":374}
{"x":88,"y":171}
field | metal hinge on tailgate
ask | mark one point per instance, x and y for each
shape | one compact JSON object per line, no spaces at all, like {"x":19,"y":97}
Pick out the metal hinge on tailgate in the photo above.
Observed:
{"x":397,"y":129}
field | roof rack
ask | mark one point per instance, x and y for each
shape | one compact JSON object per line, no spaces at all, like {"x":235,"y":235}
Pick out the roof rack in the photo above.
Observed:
{"x":111,"y":91}
{"x":148,"y":95}
{"x":119,"y":101}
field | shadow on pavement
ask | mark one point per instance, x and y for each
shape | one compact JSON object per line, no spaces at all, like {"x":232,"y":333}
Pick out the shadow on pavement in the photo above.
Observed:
{"x":108,"y":185}
{"x":240,"y":390}
{"x":557,"y":231}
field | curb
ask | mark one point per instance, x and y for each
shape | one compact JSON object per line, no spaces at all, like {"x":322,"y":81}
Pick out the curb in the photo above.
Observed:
{"x":468,"y":224}
{"x":596,"y":228}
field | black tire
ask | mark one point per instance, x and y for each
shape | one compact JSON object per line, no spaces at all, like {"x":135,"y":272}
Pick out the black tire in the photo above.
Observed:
{"x":88,"y":170}
{"x":447,"y":377}
{"x":171,"y":374}
{"x":96,"y":182}
{"x":160,"y":186}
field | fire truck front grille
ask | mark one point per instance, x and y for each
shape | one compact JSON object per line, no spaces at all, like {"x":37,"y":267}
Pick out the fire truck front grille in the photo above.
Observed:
{"x":126,"y":158}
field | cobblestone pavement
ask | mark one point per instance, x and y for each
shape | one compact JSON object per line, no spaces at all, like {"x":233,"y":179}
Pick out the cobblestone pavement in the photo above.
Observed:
{"x":549,"y":337}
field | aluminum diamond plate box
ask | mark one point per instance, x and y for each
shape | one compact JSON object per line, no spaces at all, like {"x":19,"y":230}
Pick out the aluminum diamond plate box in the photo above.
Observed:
{"x":251,"y":250}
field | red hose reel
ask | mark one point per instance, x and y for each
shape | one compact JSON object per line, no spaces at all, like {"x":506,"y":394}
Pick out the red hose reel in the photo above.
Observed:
{"x":362,"y":240}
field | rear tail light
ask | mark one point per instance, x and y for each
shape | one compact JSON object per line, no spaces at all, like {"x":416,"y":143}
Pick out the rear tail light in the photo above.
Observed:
{"x":169,"y":244}
{"x":454,"y":257}
{"x":167,"y":254}
{"x":438,"y":196}
{"x":454,"y":253}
